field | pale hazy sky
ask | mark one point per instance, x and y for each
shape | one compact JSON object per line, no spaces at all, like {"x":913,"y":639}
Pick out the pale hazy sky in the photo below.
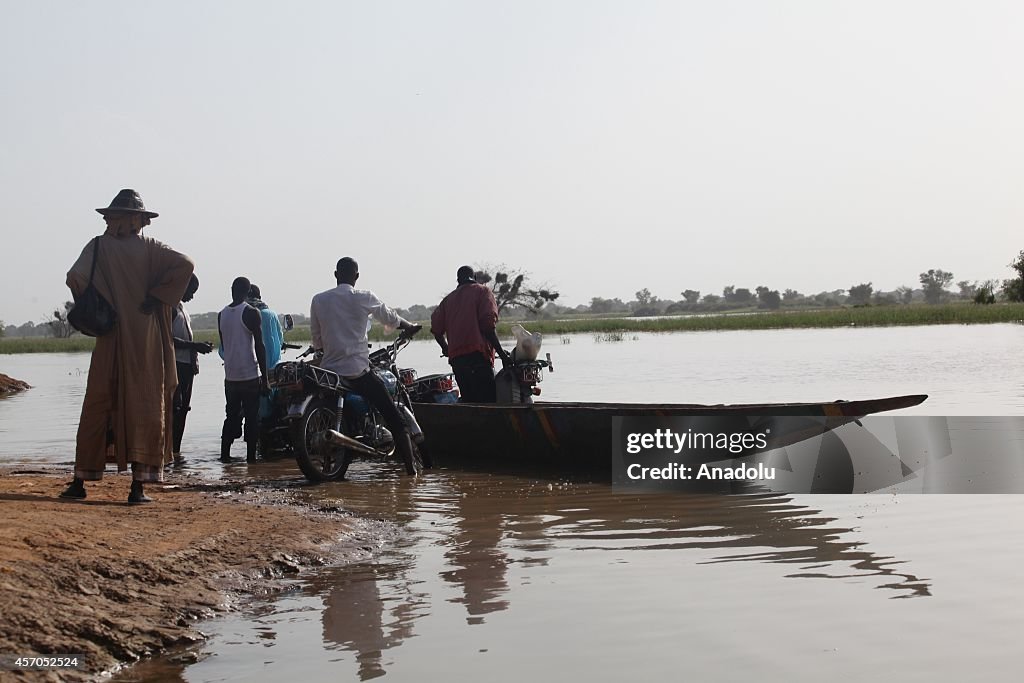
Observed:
{"x":602,"y":146}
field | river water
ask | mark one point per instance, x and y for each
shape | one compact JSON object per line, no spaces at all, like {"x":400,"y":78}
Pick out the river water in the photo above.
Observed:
{"x":502,"y":577}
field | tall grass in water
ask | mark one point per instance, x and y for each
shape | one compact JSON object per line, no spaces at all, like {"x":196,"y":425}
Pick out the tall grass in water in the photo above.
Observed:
{"x":46,"y":344}
{"x":869,"y":316}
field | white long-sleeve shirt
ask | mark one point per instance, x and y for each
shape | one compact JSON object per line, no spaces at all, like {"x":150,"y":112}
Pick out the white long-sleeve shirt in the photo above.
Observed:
{"x":338,"y":322}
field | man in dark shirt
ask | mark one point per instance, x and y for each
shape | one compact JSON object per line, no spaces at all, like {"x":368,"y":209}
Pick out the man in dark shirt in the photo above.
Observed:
{"x":463,"y":325}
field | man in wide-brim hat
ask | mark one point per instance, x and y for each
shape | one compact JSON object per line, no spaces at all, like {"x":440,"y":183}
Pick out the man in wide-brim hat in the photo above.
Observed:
{"x":132,"y":374}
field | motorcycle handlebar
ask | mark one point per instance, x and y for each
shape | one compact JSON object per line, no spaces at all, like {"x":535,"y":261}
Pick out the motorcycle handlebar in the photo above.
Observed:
{"x":405,"y":336}
{"x":409,"y":333}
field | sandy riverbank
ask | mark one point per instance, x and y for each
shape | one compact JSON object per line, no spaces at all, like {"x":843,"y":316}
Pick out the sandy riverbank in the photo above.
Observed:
{"x":9,"y":385}
{"x":115,"y":582}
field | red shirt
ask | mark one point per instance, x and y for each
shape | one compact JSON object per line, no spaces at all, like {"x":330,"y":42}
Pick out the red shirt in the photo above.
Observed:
{"x":462,"y":316}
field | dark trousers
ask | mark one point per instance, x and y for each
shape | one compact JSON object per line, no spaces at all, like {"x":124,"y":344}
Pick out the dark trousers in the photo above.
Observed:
{"x":182,"y":402}
{"x":370,"y":387}
{"x":475,"y":376}
{"x":242,"y":401}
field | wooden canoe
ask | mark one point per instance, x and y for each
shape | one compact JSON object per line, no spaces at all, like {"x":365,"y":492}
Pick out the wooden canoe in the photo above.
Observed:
{"x":578,"y":436}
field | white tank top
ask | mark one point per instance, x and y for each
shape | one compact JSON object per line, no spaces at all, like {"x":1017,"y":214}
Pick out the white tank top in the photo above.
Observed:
{"x":239,"y":348}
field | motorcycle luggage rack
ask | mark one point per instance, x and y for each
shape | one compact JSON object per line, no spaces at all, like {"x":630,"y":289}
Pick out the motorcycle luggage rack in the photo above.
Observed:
{"x":438,"y":382}
{"x":325,"y":378}
{"x":286,"y":374}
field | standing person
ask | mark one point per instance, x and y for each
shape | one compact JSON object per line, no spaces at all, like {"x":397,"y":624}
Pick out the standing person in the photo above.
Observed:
{"x":463,"y":325}
{"x":273,"y":339}
{"x":186,"y":356}
{"x":132,"y":372}
{"x":273,"y":334}
{"x":245,"y":370}
{"x":338,"y":323}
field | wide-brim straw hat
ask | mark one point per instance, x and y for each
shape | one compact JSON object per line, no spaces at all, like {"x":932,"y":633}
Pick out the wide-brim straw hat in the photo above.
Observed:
{"x":127,"y":201}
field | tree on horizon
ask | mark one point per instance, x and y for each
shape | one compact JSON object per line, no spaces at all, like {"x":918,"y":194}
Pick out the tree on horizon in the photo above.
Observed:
{"x":860,"y":295}
{"x":934,"y":283}
{"x":510,"y":289}
{"x":58,"y":321}
{"x":1013,"y":289}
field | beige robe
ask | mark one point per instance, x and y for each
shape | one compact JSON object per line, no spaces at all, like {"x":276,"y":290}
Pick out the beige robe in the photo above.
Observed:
{"x":132,"y":375}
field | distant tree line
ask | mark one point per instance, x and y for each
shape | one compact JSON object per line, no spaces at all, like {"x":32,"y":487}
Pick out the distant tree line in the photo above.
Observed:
{"x":934,"y":288}
{"x":54,"y":324}
{"x":519,"y":299}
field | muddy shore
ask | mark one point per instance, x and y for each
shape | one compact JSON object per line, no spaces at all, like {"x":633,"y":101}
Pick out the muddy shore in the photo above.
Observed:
{"x":9,"y":385}
{"x":117,"y":583}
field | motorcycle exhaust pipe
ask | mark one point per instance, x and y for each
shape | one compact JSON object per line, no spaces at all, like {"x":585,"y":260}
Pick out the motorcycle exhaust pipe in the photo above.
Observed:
{"x":338,"y":439}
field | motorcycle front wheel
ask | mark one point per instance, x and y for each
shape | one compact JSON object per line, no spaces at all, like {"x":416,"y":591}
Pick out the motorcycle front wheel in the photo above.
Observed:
{"x":319,"y":462}
{"x":416,"y":466}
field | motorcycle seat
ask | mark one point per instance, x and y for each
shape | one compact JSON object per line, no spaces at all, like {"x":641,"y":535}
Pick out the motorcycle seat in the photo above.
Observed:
{"x":345,"y":384}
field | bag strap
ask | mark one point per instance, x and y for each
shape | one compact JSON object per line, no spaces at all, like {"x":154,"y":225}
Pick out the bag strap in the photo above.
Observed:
{"x":95,"y":255}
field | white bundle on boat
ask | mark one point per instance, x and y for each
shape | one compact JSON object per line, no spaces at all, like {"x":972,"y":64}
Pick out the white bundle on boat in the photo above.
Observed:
{"x":527,"y":343}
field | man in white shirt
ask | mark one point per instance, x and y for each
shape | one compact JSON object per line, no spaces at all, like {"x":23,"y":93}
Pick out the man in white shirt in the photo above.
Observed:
{"x":338,"y":320}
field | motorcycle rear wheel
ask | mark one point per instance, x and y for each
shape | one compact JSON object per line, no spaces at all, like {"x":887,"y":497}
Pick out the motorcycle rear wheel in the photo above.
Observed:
{"x":328,"y":462}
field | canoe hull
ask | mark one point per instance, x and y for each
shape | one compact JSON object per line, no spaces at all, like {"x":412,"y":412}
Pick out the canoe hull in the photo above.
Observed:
{"x":578,"y":436}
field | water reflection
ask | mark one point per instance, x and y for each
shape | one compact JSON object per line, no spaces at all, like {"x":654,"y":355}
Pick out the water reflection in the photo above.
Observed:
{"x":479,"y":565}
{"x":730,"y":526}
{"x":358,"y":618}
{"x":370,"y":608}
{"x":476,"y":546}
{"x":487,"y":527}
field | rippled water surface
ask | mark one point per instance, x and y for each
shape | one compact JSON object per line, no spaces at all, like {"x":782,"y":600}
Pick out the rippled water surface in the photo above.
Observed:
{"x":508,"y":579}
{"x":511,"y":578}
{"x":966,"y":370}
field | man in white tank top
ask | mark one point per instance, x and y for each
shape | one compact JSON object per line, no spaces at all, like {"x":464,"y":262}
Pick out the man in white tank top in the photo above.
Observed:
{"x":245,"y":370}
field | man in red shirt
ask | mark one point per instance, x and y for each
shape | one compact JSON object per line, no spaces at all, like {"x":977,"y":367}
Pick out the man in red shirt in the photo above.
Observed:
{"x":463,"y":325}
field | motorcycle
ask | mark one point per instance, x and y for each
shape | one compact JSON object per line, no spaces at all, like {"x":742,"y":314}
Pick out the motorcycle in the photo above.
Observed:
{"x":517,"y":381}
{"x":325,"y":423}
{"x":437,"y":388}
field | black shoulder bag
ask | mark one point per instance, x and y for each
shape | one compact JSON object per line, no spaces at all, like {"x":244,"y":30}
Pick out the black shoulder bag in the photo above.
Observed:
{"x":92,"y":315}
